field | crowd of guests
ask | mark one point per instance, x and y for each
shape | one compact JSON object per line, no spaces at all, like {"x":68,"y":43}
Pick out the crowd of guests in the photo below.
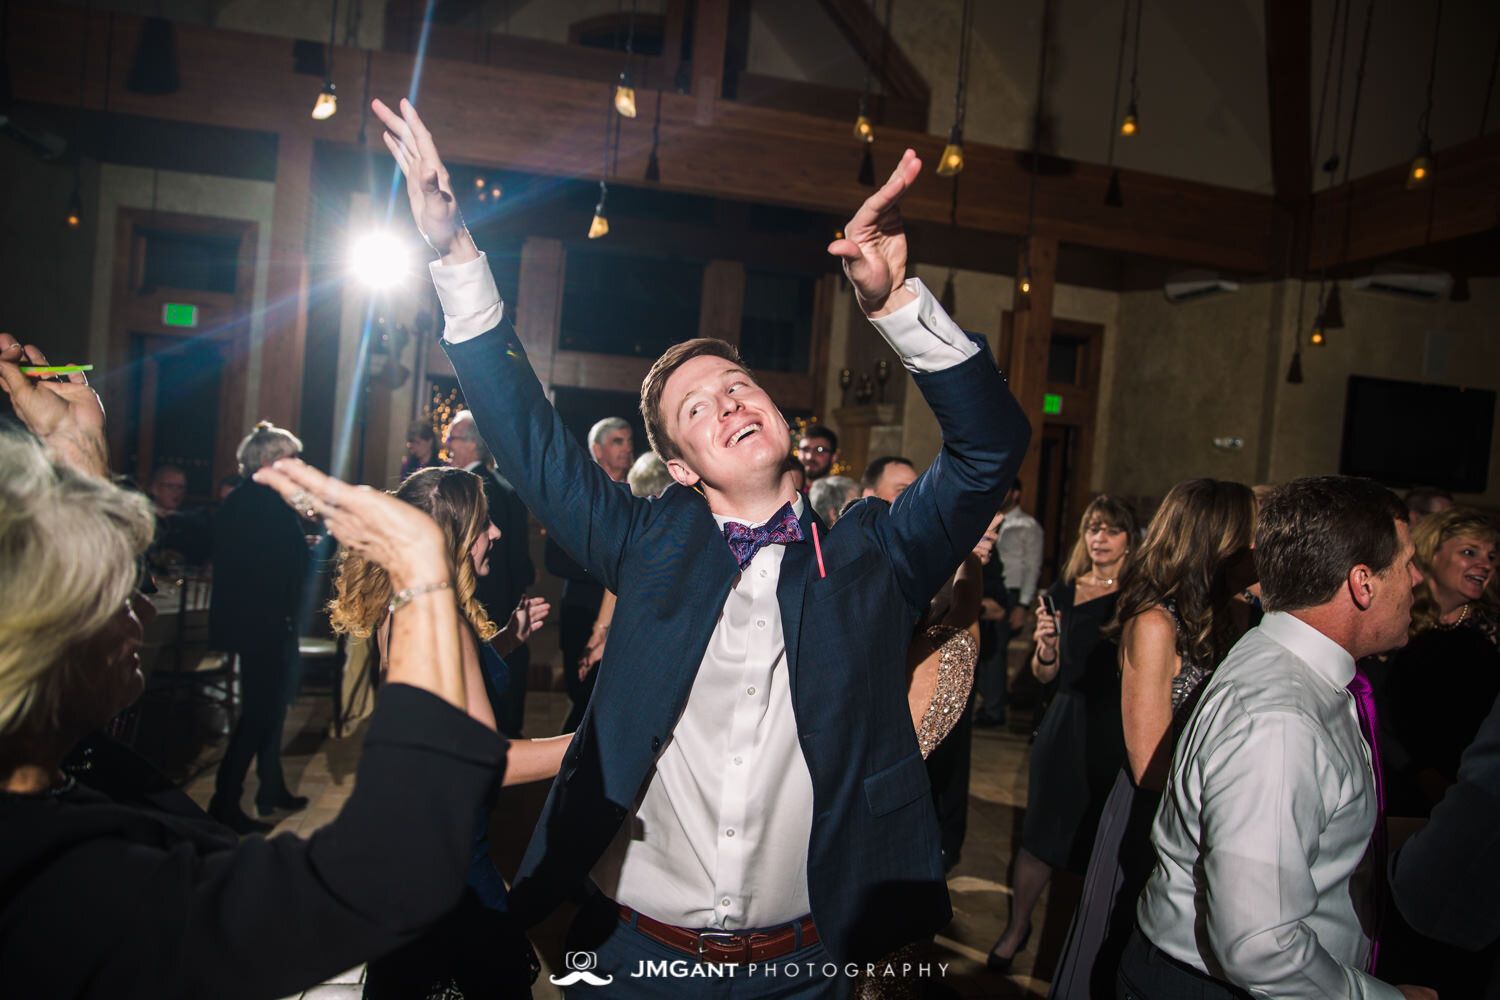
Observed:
{"x":774,"y":671}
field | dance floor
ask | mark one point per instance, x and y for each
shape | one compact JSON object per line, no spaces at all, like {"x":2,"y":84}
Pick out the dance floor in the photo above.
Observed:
{"x":322,"y":768}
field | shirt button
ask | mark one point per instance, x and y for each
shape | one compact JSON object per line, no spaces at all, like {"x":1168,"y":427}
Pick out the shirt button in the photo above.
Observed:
{"x":739,"y":760}
{"x":729,"y":833}
{"x":760,"y":623}
{"x":762,"y":574}
{"x":725,"y":901}
{"x":750,"y":690}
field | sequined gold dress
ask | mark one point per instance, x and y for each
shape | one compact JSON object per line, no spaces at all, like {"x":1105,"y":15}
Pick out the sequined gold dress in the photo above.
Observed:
{"x":949,"y":671}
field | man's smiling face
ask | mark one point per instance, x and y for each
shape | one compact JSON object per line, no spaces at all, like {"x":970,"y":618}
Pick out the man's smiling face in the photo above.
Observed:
{"x":723,"y":424}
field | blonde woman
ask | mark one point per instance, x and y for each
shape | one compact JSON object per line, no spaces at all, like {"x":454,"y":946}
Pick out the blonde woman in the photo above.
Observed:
{"x":1438,"y":689}
{"x":477,"y":948}
{"x":1079,"y":747}
{"x":1178,"y":613}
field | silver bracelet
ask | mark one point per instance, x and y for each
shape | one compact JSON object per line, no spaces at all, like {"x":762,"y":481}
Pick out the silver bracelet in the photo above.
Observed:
{"x":406,"y":596}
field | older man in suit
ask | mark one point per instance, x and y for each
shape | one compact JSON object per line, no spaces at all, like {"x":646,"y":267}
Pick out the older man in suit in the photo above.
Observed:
{"x":742,"y":789}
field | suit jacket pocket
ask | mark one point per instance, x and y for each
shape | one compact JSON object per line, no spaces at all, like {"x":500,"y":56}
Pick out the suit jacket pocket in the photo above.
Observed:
{"x":896,"y":786}
{"x":847,"y":575}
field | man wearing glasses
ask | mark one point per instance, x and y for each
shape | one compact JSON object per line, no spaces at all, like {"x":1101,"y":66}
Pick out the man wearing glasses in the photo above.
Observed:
{"x":818,"y":450}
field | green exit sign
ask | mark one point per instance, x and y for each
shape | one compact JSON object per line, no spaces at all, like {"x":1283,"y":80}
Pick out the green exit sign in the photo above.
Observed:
{"x":179,"y":314}
{"x":1051,"y":403}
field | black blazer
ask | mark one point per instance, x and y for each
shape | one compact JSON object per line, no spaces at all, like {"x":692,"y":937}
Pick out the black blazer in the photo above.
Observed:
{"x":137,"y":896}
{"x":874,"y":874}
{"x":260,"y":569}
{"x":511,"y":570}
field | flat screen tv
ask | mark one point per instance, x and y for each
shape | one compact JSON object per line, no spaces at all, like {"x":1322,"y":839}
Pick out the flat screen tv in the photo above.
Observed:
{"x":1417,"y":434}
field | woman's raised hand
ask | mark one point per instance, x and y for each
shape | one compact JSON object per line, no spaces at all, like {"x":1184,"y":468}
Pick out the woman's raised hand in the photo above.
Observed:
{"x":396,"y":536}
{"x":1046,"y":629}
{"x":527,"y":618}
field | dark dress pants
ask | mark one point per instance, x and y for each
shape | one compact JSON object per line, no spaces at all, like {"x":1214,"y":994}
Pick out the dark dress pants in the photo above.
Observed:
{"x":1148,"y":973}
{"x":265,"y":668}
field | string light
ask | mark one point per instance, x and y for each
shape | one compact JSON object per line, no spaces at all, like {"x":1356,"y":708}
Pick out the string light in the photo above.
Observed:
{"x":327,"y":103}
{"x":951,"y":163}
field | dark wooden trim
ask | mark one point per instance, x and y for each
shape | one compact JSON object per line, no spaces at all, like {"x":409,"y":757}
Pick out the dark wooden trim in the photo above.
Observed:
{"x":1031,"y":333}
{"x":1288,"y":76}
{"x":710,"y":39}
{"x":282,"y":348}
{"x":860,"y":25}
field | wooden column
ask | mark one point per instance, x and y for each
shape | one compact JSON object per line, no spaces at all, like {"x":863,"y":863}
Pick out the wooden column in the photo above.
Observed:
{"x":538,"y":315}
{"x":721,"y":308}
{"x":1031,"y":334}
{"x":282,"y":348}
{"x":710,"y":37}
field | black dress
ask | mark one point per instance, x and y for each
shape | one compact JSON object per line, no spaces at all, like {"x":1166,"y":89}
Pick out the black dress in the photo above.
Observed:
{"x":1436,"y":693}
{"x":1080,"y":743}
{"x":135,"y":893}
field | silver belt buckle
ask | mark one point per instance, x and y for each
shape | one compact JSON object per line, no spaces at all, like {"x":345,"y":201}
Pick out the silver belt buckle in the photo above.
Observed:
{"x":728,"y":937}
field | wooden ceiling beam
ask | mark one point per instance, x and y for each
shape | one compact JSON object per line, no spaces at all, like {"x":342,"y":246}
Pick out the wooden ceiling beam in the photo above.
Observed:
{"x":857,"y":21}
{"x":1376,"y":217}
{"x":497,"y":117}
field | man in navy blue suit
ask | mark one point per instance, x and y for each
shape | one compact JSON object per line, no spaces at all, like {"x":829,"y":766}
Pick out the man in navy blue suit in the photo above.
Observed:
{"x":742,"y":790}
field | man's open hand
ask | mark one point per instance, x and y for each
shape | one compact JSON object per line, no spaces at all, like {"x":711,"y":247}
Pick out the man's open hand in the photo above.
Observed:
{"x":873,"y":249}
{"x":433,"y":206}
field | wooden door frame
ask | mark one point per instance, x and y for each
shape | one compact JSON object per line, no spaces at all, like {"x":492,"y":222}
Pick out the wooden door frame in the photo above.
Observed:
{"x":222,"y":317}
{"x":1080,"y":403}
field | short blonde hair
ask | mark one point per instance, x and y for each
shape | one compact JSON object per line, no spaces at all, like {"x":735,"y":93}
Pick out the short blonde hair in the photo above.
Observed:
{"x":649,"y":477}
{"x":68,"y":549}
{"x":264,"y":445}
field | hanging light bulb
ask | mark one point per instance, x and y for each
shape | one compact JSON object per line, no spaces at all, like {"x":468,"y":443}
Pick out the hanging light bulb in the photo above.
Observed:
{"x":1421,"y":165}
{"x":327,"y":102}
{"x":863,"y":130}
{"x":496,"y":192}
{"x":949,"y":299}
{"x":479,"y":183}
{"x":1023,"y":280}
{"x":1294,"y":372}
{"x":1333,"y":310}
{"x":600,"y":225}
{"x":1317,"y":339}
{"x":1112,"y":196}
{"x":625,"y":94}
{"x":952,"y":160}
{"x":75,"y":210}
{"x":1131,"y":124}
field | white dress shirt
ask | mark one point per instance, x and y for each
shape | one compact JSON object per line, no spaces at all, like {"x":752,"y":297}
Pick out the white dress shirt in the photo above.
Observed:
{"x":1019,"y":546}
{"x":1262,"y":877}
{"x":718,"y":836}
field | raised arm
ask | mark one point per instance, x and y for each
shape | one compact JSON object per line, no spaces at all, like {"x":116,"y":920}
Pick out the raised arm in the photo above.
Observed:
{"x":66,"y":415}
{"x":554,"y":475}
{"x":938,"y":519}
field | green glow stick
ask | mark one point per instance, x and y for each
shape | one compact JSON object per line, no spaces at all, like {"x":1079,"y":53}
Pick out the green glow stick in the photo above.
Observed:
{"x":54,"y":369}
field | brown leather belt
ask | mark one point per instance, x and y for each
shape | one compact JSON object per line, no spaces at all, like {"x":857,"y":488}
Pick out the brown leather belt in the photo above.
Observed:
{"x":726,"y":947}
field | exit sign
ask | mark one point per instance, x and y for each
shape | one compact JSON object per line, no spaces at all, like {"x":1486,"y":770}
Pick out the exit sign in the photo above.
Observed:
{"x":179,"y":314}
{"x":1051,"y":403}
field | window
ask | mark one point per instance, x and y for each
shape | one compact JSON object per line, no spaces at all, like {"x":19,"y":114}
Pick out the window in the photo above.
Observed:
{"x":633,"y":305}
{"x":1065,"y":359}
{"x":776,"y":331}
{"x":190,"y":261}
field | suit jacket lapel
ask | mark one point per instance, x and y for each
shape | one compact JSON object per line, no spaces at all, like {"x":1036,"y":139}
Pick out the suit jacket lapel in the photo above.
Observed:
{"x":797,"y":564}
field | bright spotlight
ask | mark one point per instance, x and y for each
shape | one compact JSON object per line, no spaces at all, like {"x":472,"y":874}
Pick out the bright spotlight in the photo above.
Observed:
{"x":379,"y":260}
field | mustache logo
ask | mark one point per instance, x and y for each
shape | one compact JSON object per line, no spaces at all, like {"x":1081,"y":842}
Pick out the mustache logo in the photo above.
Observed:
{"x":581,"y":965}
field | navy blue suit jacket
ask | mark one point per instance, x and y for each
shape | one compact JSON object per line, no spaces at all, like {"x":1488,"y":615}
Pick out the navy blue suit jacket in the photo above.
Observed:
{"x":873,"y":870}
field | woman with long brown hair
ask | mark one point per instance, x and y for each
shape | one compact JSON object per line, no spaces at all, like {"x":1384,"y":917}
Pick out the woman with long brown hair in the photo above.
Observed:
{"x":477,"y":949}
{"x":1179,"y":611}
{"x":1078,"y":746}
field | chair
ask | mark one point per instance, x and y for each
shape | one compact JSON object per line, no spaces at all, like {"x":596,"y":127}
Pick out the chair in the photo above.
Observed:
{"x":323,"y":653}
{"x":187,"y":663}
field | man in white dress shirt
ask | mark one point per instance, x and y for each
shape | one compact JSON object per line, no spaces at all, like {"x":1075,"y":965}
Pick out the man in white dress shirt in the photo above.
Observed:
{"x":743,"y":791}
{"x":1266,"y":882}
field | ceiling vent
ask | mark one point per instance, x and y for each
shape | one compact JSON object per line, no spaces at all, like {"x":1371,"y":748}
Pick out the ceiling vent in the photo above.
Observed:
{"x":1419,"y":286}
{"x":1190,"y":285}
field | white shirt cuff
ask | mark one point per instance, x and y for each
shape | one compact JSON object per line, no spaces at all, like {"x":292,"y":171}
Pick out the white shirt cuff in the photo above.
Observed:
{"x":925,"y":337}
{"x":471,"y":302}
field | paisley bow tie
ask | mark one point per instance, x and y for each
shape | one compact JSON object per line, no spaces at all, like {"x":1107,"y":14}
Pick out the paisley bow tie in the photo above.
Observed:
{"x":744,"y":541}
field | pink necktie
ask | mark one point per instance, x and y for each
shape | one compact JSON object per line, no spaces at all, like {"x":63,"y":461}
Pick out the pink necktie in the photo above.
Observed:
{"x":1364,"y":701}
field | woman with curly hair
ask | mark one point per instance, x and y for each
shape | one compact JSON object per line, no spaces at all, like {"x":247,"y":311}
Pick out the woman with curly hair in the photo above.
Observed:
{"x":1179,"y":611}
{"x":478,"y":950}
{"x":1438,"y":689}
{"x":1078,"y":746}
